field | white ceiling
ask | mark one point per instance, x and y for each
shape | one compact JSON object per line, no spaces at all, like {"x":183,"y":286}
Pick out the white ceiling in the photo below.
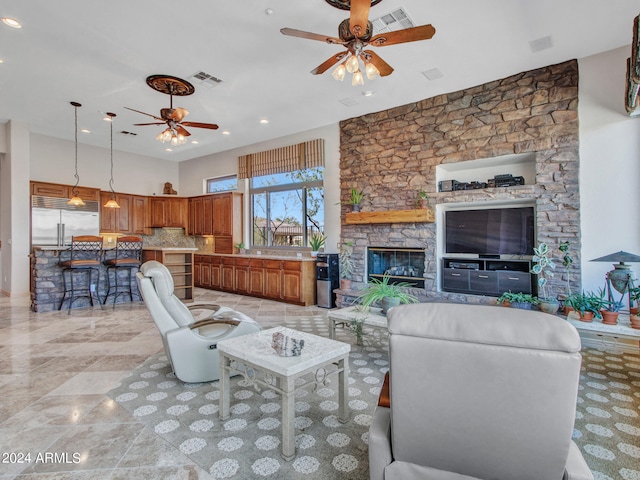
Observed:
{"x":99,"y":54}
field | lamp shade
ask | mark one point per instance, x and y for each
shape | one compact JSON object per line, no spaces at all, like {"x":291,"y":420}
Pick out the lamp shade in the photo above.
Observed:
{"x":620,"y":256}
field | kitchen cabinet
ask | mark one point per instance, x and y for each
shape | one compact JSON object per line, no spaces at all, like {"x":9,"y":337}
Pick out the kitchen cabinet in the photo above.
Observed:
{"x":291,"y":281}
{"x":227,"y":221}
{"x":46,"y":189}
{"x":196,"y":217}
{"x":139,"y":215}
{"x":168,"y":212}
{"x":116,"y":220}
{"x":181,"y":265}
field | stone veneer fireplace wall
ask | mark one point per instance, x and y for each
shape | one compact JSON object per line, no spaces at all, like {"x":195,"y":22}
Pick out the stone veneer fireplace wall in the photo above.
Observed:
{"x":392,"y":154}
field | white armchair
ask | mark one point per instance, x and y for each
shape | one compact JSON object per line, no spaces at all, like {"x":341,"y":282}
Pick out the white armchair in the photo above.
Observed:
{"x":478,"y":392}
{"x":190,"y":341}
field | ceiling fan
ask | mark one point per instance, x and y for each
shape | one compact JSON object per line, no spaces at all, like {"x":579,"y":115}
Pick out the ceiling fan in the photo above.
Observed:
{"x":356,"y":34}
{"x":175,"y":133}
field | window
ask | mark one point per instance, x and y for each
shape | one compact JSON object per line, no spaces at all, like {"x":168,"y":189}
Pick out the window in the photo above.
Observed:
{"x":287,"y":208}
{"x":222,"y":184}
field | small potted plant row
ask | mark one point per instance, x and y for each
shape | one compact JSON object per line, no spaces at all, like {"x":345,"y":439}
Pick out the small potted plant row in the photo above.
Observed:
{"x":525,"y":301}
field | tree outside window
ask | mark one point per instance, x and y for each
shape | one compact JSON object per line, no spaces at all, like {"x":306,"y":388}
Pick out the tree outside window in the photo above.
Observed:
{"x":287,"y":208}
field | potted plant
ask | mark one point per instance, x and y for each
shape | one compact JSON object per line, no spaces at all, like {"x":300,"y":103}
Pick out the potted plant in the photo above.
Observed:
{"x":567,"y":261}
{"x":611,"y":311}
{"x":355,"y":199}
{"x":386,"y":294}
{"x":422,"y":199}
{"x":346,"y":265}
{"x":634,"y":296}
{"x":543,"y":267}
{"x":525,"y":301}
{"x":241,"y":249}
{"x":316,"y":242}
{"x":587,"y":305}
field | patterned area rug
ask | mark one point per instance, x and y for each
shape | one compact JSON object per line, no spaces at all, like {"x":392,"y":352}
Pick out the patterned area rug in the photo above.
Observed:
{"x":247,"y":445}
{"x":607,"y":427}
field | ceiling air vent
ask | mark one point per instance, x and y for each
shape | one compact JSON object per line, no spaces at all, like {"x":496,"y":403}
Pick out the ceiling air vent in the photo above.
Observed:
{"x":202,"y":78}
{"x":124,"y":132}
{"x":396,"y":20}
{"x":348,"y":102}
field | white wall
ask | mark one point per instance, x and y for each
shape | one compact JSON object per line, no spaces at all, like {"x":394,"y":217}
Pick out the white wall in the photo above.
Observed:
{"x":609,"y":165}
{"x":52,"y":160}
{"x":193,"y":172}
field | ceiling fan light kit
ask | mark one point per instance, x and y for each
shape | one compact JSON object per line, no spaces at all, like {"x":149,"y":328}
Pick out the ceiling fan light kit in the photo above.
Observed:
{"x":175,"y":133}
{"x":355,"y":34}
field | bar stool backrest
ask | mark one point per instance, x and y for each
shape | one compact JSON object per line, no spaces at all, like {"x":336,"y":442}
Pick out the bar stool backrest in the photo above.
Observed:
{"x":85,"y":250}
{"x":129,"y":250}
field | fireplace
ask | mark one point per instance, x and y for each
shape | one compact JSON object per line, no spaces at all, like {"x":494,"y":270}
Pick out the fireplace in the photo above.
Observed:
{"x":401,"y":264}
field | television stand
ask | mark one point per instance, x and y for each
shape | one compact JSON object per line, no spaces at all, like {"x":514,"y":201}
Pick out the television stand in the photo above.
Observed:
{"x":481,"y":276}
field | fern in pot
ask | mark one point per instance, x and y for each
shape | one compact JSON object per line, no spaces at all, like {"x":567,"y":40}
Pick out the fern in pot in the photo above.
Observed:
{"x":316,"y":242}
{"x":385,"y":293}
{"x":346,"y":265}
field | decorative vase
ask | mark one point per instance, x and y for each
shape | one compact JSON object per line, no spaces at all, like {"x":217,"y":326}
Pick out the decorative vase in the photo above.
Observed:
{"x":635,"y":321}
{"x":388,"y":302}
{"x":609,"y":318}
{"x":314,"y":253}
{"x":549,"y":306}
{"x":355,"y":207}
{"x":345,"y":284}
{"x":585,"y":316}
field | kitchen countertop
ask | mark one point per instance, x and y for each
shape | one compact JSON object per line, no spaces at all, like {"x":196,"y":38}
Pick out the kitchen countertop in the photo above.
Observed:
{"x":172,"y":249}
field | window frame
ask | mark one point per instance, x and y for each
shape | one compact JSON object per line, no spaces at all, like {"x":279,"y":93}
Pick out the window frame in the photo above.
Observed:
{"x":222,"y":177}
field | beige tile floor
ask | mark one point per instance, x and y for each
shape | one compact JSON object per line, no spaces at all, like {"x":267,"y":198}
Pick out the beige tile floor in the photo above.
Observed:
{"x":55,"y":371}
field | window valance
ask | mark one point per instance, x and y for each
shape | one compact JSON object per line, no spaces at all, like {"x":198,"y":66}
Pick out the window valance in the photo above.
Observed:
{"x":308,"y":154}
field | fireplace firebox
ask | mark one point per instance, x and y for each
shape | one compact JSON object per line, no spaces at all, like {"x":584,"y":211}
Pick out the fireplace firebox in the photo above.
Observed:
{"x":400,"y":264}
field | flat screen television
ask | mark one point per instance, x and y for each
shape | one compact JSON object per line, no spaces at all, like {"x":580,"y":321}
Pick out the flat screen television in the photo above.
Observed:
{"x":490,"y":232}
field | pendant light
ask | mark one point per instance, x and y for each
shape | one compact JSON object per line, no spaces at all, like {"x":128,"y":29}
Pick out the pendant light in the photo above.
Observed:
{"x":75,"y":197}
{"x":112,"y":201}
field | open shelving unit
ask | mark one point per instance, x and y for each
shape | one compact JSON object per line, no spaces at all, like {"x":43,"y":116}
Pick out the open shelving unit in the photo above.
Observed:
{"x":180,"y":264}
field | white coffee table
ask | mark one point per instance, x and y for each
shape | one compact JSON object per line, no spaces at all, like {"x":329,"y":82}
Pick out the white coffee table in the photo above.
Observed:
{"x":252,"y":356}
{"x":372,"y":317}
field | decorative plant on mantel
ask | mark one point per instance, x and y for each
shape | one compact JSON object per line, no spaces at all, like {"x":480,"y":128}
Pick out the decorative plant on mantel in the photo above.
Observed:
{"x":543,"y":267}
{"x":355,"y":199}
{"x":422,"y":199}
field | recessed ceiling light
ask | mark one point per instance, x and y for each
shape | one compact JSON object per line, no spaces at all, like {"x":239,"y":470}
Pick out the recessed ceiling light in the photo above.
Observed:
{"x":226,"y":132}
{"x":368,"y":93}
{"x":1,"y":60}
{"x":264,"y":121}
{"x":168,"y":149}
{"x":269,"y":11}
{"x":12,"y":22}
{"x":194,"y":141}
{"x":85,"y":130}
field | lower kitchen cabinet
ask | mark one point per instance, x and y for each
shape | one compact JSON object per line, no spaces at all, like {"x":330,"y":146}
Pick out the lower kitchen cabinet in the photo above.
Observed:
{"x":291,"y":281}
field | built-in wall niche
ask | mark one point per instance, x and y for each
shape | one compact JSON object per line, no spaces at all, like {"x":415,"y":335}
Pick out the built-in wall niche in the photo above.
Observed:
{"x":481,"y":170}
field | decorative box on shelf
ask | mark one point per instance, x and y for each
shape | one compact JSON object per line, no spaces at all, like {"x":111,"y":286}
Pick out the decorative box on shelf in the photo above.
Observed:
{"x":420,"y":215}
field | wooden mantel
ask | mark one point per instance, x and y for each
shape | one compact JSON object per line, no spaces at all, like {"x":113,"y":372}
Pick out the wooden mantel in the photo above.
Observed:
{"x":421,"y":215}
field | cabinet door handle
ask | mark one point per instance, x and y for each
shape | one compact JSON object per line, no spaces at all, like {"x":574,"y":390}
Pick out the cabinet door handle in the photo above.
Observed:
{"x":514,"y":278}
{"x":455,"y":274}
{"x":483,"y":276}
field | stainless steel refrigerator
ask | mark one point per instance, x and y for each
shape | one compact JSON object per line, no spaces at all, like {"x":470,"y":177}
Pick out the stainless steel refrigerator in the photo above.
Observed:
{"x":53,"y":222}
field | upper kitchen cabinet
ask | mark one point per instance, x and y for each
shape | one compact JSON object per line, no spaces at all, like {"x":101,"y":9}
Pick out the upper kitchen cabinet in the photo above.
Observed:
{"x":140,"y":215}
{"x":168,"y":212}
{"x":45,"y":189}
{"x":227,"y":221}
{"x":116,"y":220}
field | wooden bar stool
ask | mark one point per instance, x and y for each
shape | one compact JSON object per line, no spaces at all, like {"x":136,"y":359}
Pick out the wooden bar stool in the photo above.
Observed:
{"x":127,"y":256}
{"x":85,"y":256}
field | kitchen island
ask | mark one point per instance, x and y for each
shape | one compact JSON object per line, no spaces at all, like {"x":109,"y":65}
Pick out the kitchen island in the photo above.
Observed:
{"x":47,"y":285}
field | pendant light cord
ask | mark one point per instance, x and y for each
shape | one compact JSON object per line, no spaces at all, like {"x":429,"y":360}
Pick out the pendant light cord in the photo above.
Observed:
{"x":75,"y":187}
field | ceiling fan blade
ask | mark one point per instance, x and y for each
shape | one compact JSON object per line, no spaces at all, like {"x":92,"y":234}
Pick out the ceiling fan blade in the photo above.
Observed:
{"x":383,"y":67}
{"x":210,"y":126}
{"x":423,"y":32}
{"x":144,"y":124}
{"x":292,"y":32}
{"x":182,"y":131}
{"x":329,"y":63}
{"x":143,"y":113}
{"x":178,"y":114}
{"x":359,"y":17}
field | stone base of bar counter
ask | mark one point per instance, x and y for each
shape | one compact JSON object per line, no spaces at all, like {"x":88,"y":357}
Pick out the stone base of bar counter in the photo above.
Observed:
{"x":47,"y":285}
